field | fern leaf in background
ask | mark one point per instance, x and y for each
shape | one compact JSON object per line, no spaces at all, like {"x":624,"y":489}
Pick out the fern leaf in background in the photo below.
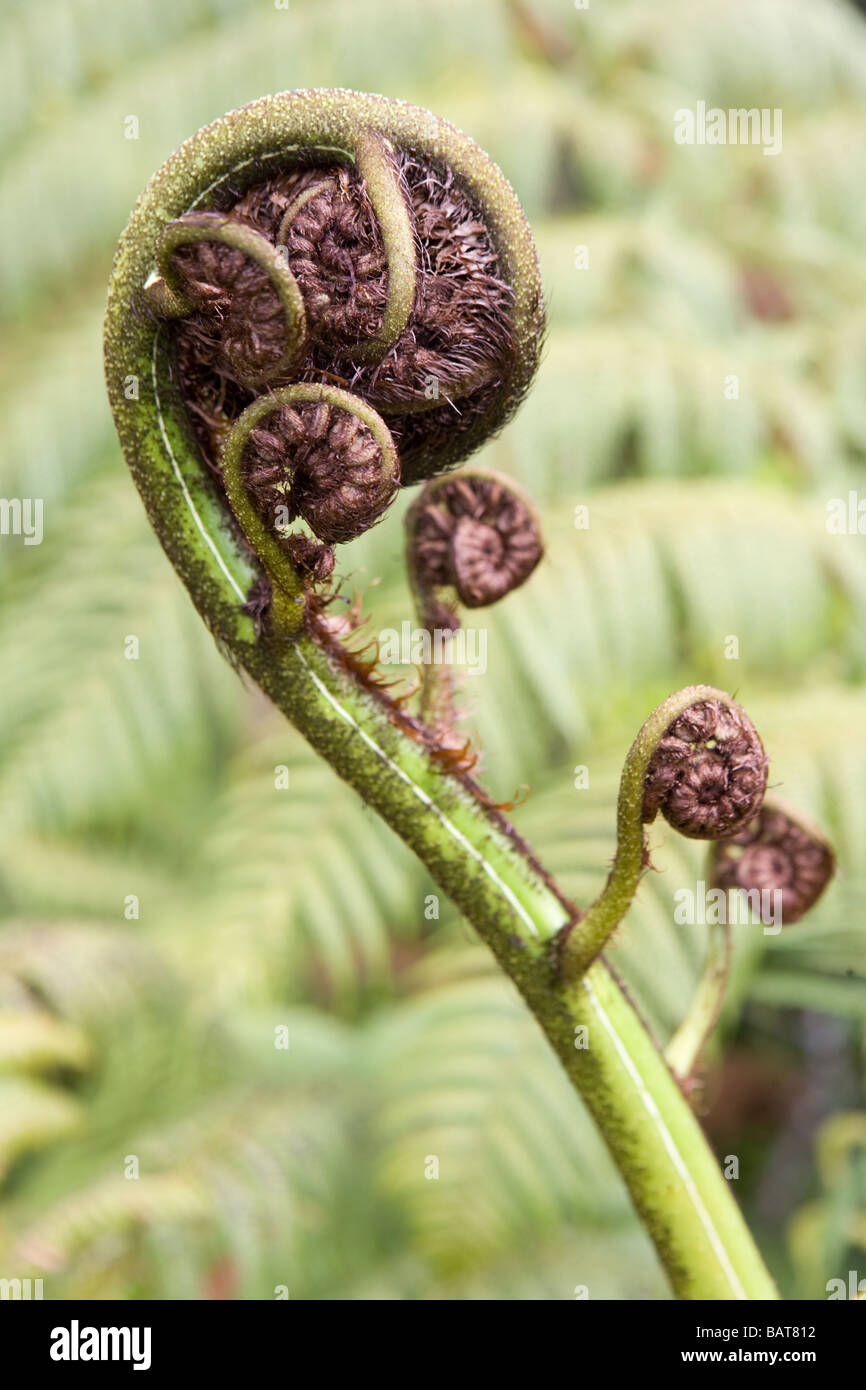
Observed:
{"x":213,"y":959}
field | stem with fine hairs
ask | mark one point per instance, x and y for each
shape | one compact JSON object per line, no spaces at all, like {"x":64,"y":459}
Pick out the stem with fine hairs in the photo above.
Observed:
{"x":198,"y":315}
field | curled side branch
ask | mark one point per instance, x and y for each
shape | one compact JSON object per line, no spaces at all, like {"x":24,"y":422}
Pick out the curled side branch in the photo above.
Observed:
{"x":470,"y":539}
{"x":238,"y":275}
{"x":699,"y":760}
{"x":327,"y":457}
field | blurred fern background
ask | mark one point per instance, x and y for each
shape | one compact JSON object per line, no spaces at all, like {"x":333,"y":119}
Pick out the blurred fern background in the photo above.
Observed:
{"x":171,"y":919}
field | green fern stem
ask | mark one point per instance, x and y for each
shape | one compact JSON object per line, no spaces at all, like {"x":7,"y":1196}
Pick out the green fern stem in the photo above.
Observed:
{"x":685,"y":1203}
{"x":684,"y":1050}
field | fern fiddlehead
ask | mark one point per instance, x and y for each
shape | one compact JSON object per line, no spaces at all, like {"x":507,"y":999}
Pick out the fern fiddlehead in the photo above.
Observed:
{"x":778,"y":864}
{"x":700,"y":762}
{"x":777,"y":851}
{"x":317,"y":297}
{"x":471,"y":539}
{"x":323,"y":455}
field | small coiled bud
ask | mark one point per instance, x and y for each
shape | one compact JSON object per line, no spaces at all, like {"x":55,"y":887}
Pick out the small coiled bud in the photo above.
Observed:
{"x":470,"y":540}
{"x":322,"y":464}
{"x":475,"y":535}
{"x":776,"y":852}
{"x":709,"y":773}
{"x":341,"y":243}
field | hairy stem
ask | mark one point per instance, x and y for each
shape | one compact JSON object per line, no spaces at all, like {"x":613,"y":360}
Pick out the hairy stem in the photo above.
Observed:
{"x":684,"y":1201}
{"x":673,"y":1177}
{"x":383,"y":188}
{"x":686,"y":1205}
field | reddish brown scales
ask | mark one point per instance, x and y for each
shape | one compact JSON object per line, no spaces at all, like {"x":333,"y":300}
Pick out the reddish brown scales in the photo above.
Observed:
{"x":334,"y":481}
{"x":775,"y":853}
{"x":476,"y":536}
{"x":709,"y":773}
{"x":446,"y":368}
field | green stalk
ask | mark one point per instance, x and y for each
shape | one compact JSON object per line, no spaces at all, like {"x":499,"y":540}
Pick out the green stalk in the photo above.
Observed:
{"x":684,"y":1050}
{"x":686,"y":1205}
{"x":684,"y":1201}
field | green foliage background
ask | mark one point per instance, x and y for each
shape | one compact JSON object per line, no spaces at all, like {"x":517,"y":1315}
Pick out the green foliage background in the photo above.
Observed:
{"x":260,"y":908}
